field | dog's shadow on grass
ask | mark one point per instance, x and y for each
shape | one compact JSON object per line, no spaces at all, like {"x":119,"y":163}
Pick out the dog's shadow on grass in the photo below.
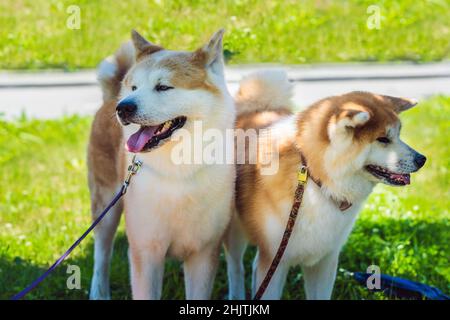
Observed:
{"x":17,"y":273}
{"x":364,"y":248}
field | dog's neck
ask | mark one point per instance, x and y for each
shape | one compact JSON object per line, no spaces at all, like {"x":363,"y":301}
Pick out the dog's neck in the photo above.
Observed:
{"x":343,"y":190}
{"x":348,"y":189}
{"x":339,"y":183}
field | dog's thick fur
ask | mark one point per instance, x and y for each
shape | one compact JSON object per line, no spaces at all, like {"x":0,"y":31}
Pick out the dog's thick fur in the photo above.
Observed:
{"x":338,"y":137}
{"x":181,"y":210}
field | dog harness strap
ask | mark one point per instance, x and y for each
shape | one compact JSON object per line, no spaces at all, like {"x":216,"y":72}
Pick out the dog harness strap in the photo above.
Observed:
{"x":302,"y":177}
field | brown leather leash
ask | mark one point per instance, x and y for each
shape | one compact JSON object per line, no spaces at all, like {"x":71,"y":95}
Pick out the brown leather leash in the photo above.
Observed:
{"x":302,"y":177}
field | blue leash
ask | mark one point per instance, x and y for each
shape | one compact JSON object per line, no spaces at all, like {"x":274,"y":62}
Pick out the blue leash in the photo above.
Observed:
{"x":132,"y":170}
{"x":403,"y":288}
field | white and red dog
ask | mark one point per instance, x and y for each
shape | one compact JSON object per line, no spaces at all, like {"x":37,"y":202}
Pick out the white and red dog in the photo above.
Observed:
{"x":350,"y":143}
{"x":181,"y":210}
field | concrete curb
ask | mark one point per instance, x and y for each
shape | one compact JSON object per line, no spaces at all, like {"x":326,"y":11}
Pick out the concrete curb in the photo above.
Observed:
{"x":297,"y":73}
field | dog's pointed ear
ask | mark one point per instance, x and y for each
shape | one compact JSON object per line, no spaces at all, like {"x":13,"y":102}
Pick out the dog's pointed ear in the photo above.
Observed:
{"x":347,"y":119}
{"x":143,"y":46}
{"x":351,"y":118}
{"x":344,"y":123}
{"x":211,"y":54}
{"x":401,"y":104}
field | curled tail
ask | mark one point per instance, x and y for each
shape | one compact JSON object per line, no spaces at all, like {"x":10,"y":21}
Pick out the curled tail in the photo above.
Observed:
{"x":263,"y":91}
{"x":111,"y":71}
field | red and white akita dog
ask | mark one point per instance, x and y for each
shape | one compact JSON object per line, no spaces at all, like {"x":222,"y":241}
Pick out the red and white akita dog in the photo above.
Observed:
{"x":181,"y":210}
{"x":350,"y":142}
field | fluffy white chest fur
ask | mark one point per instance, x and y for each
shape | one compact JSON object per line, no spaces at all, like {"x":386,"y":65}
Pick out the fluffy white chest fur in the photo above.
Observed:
{"x":178,"y":214}
{"x":321,"y":227}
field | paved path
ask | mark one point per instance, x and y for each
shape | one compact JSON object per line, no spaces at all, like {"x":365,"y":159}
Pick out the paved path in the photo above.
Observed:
{"x":53,"y":94}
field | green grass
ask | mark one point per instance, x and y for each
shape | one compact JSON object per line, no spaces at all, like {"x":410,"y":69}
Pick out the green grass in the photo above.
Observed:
{"x":33,"y":33}
{"x":44,"y":207}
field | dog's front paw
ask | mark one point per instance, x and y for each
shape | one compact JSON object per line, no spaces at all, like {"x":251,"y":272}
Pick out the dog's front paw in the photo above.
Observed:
{"x":99,"y":290}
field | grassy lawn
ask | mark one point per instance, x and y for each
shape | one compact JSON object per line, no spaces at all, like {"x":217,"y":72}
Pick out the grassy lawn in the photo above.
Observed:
{"x":44,"y":207}
{"x":33,"y":33}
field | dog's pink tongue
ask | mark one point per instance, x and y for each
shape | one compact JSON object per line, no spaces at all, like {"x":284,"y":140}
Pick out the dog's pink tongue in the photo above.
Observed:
{"x":405,"y":178}
{"x":138,"y":140}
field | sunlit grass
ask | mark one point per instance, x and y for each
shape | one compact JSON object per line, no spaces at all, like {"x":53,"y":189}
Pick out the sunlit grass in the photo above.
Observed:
{"x":33,"y":33}
{"x":44,"y":207}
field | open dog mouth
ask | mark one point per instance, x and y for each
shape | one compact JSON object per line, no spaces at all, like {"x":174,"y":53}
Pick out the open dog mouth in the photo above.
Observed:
{"x":398,"y":179}
{"x":149,"y":137}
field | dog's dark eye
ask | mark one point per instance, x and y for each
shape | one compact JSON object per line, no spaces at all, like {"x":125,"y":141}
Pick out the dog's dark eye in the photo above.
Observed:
{"x":161,"y":87}
{"x":133,"y":88}
{"x":384,"y":140}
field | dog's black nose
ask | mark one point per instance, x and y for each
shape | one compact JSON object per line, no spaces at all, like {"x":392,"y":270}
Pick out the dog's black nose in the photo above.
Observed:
{"x":126,"y":109}
{"x":420,"y":160}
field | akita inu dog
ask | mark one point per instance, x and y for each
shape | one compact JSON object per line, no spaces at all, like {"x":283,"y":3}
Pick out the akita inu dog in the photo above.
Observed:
{"x":350,"y":143}
{"x":181,"y":210}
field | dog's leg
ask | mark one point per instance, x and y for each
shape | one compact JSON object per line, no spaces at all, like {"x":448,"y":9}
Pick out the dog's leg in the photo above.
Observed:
{"x":147,"y":272}
{"x":104,"y":240}
{"x":199,"y":272}
{"x":235,"y":245}
{"x":254,"y":273}
{"x":275,"y":288}
{"x":105,"y":167}
{"x":319,"y":278}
